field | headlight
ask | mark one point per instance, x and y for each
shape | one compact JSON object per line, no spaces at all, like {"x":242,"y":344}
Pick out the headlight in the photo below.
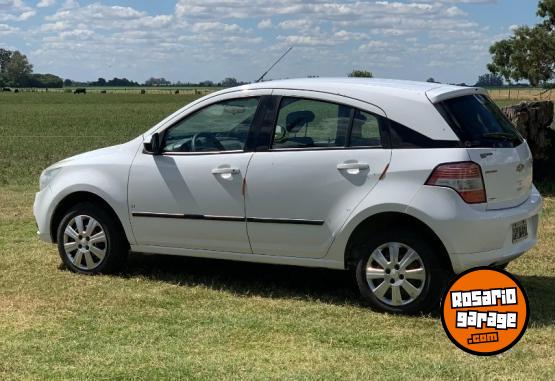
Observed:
{"x":47,"y":176}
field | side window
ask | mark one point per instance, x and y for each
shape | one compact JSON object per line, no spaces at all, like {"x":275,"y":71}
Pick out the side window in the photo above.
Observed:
{"x":222,"y":126}
{"x":404,"y":137}
{"x":306,"y":123}
{"x":366,"y":130}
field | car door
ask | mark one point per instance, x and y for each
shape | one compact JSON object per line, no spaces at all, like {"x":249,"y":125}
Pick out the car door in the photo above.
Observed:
{"x":191,"y":196}
{"x":325,"y":156}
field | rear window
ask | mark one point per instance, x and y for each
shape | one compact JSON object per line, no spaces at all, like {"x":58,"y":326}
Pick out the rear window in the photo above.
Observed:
{"x":478,"y":122}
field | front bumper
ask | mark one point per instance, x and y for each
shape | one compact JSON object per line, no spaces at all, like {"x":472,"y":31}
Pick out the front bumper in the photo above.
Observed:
{"x":473,"y":235}
{"x":42,"y":214}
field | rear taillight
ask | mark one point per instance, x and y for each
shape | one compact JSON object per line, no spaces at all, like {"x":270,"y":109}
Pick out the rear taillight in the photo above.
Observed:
{"x":464,"y":177}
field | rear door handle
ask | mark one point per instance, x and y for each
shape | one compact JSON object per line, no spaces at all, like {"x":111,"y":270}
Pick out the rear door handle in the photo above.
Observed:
{"x":225,"y":171}
{"x":347,"y":166}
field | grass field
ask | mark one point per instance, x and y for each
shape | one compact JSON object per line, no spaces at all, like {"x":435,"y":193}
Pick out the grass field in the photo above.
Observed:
{"x":170,"y":318}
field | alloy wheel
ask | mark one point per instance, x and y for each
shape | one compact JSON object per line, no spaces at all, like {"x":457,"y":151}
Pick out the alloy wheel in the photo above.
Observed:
{"x":395,"y":273}
{"x":85,"y":242}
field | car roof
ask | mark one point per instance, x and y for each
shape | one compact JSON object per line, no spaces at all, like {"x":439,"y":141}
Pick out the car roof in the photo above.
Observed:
{"x":346,"y":86}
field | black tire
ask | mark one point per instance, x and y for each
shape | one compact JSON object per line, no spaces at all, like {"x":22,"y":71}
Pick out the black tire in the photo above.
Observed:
{"x":435,"y":276}
{"x":115,"y":245}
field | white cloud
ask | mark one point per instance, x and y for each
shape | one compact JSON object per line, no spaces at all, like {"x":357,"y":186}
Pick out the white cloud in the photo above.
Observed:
{"x":301,"y":24}
{"x":6,"y":29}
{"x":45,"y":3}
{"x":15,"y":10}
{"x":70,"y":4}
{"x":454,"y":11}
{"x":265,"y":24}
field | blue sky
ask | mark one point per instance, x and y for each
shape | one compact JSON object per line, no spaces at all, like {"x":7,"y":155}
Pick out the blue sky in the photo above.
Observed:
{"x":193,"y":40}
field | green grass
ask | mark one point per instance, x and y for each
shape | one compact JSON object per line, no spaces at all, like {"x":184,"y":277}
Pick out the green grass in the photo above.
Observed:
{"x":37,"y":129}
{"x":171,"y":318}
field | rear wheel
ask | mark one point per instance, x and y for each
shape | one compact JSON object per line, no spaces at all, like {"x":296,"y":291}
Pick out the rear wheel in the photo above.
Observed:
{"x":399,"y":272}
{"x":90,"y":241}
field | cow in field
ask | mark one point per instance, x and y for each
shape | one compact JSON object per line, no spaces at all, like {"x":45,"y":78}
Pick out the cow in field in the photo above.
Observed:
{"x":6,"y":89}
{"x":80,"y":91}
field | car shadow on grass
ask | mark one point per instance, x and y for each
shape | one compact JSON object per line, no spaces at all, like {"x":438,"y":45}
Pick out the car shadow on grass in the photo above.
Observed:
{"x":246,"y":278}
{"x":541,"y":296}
{"x":278,"y":281}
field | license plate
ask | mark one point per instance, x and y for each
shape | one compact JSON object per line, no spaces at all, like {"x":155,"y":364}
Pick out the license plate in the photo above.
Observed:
{"x":520,"y":231}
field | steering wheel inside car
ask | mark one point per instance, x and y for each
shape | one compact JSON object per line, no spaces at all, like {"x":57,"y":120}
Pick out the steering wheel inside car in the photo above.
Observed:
{"x":210,"y":138}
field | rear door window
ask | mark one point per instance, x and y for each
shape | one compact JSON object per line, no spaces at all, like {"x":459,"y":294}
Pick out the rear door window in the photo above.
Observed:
{"x":478,"y":122}
{"x":365,"y":131}
{"x":307,"y":123}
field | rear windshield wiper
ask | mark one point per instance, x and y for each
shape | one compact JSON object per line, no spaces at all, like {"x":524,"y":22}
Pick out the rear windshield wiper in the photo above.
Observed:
{"x":499,"y":136}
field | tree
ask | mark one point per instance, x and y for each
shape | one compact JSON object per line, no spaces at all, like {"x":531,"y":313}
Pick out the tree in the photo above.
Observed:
{"x":431,"y":79}
{"x":68,"y":82}
{"x":229,"y":82}
{"x":546,"y":10}
{"x":530,"y":53}
{"x":157,"y":82}
{"x":44,"y":81}
{"x":18,"y":69}
{"x":490,"y":80}
{"x":360,"y":74}
{"x":5,"y":56}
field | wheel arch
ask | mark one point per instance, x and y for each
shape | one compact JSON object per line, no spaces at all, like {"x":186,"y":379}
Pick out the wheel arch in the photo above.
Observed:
{"x":75,"y":198}
{"x":384,"y":221}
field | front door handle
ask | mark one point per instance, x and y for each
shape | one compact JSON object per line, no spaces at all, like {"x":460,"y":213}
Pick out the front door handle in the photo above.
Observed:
{"x":225,"y":171}
{"x":356,"y":165}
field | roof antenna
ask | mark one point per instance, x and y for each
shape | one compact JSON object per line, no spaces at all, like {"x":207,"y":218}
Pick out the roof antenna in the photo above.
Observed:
{"x":275,"y":63}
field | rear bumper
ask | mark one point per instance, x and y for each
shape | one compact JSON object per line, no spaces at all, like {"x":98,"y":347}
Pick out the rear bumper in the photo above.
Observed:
{"x":509,"y":251}
{"x":473,"y":235}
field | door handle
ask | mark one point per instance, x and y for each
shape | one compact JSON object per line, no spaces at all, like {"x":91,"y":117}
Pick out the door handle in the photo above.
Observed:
{"x":225,"y":171}
{"x":347,"y":166}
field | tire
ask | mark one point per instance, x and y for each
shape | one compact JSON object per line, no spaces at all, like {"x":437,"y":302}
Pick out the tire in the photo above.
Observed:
{"x":91,"y":241}
{"x":418,"y":266}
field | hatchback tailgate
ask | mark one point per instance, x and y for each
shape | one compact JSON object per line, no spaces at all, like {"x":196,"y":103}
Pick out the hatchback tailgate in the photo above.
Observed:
{"x":507,"y":174}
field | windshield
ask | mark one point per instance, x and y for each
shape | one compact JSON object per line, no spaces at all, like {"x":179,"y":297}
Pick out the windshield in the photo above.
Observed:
{"x":478,"y":122}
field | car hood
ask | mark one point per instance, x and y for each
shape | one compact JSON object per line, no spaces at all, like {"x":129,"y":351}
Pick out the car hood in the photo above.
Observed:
{"x":101,"y":153}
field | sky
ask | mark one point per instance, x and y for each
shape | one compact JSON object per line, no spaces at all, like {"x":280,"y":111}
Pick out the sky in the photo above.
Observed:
{"x":195,"y":40}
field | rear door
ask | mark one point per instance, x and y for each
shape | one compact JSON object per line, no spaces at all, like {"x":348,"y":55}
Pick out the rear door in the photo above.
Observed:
{"x":323,"y":158}
{"x":494,"y":143}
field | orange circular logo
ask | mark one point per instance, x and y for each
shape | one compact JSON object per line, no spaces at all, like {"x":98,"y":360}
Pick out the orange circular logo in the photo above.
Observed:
{"x":485,"y":311}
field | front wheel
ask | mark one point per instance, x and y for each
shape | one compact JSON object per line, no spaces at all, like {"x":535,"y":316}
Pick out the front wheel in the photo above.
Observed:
{"x":90,"y":241}
{"x":399,"y":272}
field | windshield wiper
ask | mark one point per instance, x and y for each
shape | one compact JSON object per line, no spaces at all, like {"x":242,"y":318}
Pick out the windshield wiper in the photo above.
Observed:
{"x":499,"y":136}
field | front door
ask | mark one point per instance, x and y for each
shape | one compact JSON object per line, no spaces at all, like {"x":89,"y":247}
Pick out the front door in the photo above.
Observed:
{"x":191,"y":196}
{"x":325,"y":157}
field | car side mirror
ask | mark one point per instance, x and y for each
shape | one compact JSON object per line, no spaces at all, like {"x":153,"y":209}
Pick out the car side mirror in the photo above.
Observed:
{"x":153,"y":146}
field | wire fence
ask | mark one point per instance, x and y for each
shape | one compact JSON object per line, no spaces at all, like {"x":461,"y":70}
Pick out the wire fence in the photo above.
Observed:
{"x":521,"y":93}
{"x":118,"y":90}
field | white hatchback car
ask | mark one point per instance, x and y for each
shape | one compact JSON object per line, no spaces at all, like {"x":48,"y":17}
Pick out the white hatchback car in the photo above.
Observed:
{"x":403,"y":182}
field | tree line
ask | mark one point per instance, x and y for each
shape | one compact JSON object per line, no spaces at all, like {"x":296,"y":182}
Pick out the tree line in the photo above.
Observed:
{"x":16,"y":71}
